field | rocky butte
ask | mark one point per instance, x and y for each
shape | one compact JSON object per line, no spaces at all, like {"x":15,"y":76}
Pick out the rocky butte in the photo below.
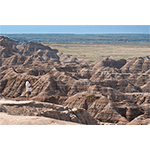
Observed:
{"x":68,"y":90}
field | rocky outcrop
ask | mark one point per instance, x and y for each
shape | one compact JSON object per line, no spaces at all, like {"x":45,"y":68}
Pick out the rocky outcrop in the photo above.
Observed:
{"x":8,"y":43}
{"x":137,"y":65}
{"x":11,"y":53}
{"x":38,"y":50}
{"x":7,"y":119}
{"x":32,"y":108}
{"x":110,"y":91}
{"x":67,"y":58}
{"x":108,"y":62}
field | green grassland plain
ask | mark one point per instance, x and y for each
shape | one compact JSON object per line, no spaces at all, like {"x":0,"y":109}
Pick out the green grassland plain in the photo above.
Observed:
{"x":94,"y":51}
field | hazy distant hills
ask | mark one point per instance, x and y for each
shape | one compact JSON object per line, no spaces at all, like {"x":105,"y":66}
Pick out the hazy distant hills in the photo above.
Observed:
{"x":81,"y":38}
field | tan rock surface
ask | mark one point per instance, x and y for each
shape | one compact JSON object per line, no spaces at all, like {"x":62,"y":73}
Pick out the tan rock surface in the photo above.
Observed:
{"x":6,"y":119}
{"x":49,"y":110}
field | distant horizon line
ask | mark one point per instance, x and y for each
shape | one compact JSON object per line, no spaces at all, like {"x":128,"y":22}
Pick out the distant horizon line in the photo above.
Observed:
{"x":75,"y":33}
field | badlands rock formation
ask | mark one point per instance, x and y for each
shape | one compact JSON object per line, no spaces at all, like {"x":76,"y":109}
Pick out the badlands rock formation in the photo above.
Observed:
{"x":85,"y":92}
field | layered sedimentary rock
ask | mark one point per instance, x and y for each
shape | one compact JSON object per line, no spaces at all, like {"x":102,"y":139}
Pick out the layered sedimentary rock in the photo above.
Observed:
{"x":112,"y":91}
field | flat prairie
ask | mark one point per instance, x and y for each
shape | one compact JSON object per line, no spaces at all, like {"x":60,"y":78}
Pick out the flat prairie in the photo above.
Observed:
{"x":96,"y":51}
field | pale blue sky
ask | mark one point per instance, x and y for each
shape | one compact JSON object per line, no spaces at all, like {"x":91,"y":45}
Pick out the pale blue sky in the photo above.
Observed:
{"x":75,"y":29}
